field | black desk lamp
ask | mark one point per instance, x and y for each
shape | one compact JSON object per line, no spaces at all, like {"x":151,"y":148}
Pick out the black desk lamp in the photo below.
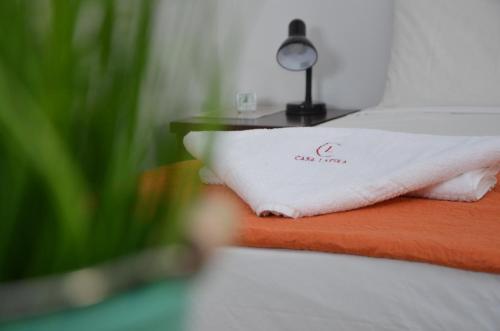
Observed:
{"x":297,"y":53}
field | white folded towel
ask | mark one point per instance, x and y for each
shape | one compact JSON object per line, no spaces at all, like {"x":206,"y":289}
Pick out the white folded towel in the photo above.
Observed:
{"x":308,"y":171}
{"x":470,"y":186}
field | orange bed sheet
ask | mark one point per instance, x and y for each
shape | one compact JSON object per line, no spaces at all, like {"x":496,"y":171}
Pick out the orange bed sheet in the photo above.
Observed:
{"x":455,"y":234}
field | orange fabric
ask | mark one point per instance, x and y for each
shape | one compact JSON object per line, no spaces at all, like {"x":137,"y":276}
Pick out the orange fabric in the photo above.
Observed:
{"x":455,"y":234}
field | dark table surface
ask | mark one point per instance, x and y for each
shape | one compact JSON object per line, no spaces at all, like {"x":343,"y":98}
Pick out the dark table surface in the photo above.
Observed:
{"x":270,"y":121}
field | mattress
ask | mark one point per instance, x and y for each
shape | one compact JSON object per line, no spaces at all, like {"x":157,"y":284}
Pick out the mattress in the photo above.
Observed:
{"x":266,"y":289}
{"x":263,"y":289}
{"x":457,"y":121}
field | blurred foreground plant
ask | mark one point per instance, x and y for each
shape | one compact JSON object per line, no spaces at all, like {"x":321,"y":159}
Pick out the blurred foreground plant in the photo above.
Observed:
{"x":72,"y":139}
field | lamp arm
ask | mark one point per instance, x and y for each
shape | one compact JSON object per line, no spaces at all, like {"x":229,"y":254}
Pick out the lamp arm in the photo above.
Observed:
{"x":306,"y":107}
{"x":308,"y":86}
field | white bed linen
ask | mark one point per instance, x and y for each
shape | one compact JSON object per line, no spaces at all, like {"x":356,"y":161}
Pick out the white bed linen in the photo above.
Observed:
{"x":444,"y":52}
{"x":268,"y":289}
{"x":457,"y":121}
{"x":272,"y":290}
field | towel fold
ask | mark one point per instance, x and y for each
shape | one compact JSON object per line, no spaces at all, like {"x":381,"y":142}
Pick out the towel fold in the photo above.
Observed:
{"x":470,"y":186}
{"x":467,"y":187}
{"x":299,"y":172}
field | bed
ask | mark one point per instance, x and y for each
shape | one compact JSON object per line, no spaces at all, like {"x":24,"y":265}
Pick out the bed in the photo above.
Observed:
{"x":247,"y":288}
{"x":436,"y":60}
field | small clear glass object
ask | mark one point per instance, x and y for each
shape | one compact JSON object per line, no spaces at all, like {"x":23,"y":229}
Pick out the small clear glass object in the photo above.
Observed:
{"x":246,"y":102}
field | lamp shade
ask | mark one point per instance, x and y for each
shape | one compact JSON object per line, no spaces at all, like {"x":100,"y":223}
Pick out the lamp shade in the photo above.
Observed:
{"x":297,"y":53}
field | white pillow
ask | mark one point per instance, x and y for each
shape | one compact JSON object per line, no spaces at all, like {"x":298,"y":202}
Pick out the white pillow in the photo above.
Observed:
{"x":445,"y":53}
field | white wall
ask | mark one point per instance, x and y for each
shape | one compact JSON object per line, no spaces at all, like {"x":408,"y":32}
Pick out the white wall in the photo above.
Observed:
{"x":352,"y":37}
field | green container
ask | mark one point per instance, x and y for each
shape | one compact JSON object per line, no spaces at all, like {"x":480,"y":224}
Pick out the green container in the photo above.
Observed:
{"x":151,"y":305}
{"x":155,"y":307}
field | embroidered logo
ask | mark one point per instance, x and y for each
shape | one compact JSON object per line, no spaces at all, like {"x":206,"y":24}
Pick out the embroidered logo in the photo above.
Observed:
{"x":325,"y":150}
{"x":323,"y":154}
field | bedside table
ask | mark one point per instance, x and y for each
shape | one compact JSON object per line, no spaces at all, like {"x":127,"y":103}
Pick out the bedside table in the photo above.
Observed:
{"x":248,"y":121}
{"x":245,"y":121}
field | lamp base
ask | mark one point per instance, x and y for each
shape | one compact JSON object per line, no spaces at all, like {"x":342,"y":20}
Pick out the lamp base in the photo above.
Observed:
{"x":304,"y":109}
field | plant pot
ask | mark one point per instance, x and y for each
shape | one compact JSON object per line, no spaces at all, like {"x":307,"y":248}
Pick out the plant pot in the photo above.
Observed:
{"x":144,"y":292}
